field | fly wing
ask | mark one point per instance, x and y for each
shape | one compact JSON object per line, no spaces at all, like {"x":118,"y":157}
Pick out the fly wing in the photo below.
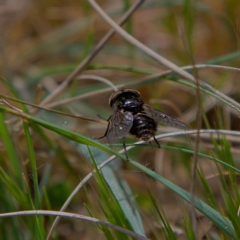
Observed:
{"x":162,"y":118}
{"x":119,"y":126}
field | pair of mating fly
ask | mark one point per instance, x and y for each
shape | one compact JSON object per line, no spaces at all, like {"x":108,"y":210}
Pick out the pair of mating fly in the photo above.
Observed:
{"x":132,"y":115}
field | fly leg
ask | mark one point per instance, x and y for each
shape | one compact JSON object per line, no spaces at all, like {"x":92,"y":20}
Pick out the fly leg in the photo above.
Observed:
{"x":157,"y":142}
{"x":125,"y":150}
{"x":105,"y":134}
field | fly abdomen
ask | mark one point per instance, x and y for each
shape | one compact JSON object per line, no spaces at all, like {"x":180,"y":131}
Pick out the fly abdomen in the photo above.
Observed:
{"x":143,"y":127}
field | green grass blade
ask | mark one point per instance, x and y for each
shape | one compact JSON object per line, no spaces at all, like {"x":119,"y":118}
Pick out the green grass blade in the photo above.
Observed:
{"x":209,"y":93}
{"x":119,"y":189}
{"x":225,"y":58}
{"x":203,"y":155}
{"x":13,"y":188}
{"x":64,"y":132}
{"x":39,"y":227}
{"x":158,"y":210}
{"x":33,"y":164}
{"x":11,"y":151}
{"x":223,"y":223}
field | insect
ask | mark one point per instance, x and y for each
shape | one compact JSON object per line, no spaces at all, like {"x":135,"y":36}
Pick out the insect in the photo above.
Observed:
{"x":132,"y":115}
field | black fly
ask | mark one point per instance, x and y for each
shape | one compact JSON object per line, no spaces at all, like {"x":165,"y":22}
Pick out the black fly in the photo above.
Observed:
{"x":132,"y":115}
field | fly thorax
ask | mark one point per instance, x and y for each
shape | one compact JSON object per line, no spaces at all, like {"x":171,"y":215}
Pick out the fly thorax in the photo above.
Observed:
{"x":132,"y":105}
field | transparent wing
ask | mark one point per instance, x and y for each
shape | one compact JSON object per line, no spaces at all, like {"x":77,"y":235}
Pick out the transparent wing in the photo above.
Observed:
{"x":119,"y":125}
{"x":162,"y":118}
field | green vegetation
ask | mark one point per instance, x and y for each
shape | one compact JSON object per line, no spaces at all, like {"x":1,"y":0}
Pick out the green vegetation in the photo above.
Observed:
{"x":57,"y":181}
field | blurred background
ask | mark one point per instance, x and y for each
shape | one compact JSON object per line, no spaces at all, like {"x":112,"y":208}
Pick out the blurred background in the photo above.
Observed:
{"x":42,"y":42}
